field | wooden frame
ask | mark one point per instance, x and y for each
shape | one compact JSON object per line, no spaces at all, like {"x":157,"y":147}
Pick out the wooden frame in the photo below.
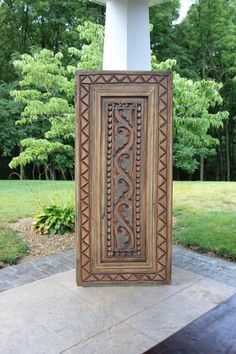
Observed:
{"x":123,"y":178}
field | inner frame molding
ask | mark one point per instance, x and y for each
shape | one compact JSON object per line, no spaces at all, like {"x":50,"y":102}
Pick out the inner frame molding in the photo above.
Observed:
{"x":123,"y":177}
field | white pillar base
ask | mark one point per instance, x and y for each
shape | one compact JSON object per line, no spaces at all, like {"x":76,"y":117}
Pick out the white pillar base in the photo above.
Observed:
{"x":127,"y":35}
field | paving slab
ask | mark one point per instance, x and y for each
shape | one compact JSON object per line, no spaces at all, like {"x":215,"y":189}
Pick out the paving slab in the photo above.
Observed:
{"x":53,"y":315}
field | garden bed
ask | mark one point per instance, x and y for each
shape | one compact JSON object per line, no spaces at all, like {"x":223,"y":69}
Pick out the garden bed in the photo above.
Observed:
{"x":41,"y":245}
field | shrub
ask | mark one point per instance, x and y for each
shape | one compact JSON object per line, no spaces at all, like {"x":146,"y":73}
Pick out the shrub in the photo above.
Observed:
{"x":54,"y":219}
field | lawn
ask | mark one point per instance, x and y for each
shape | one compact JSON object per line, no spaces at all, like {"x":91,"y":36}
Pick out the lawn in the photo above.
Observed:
{"x":23,"y":198}
{"x":20,"y":199}
{"x":205,"y":213}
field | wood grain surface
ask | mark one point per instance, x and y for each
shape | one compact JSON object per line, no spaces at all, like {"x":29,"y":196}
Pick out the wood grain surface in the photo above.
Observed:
{"x":123,"y":177}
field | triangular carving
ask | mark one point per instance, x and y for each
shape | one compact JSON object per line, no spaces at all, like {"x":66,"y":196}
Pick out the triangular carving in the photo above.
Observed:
{"x":87,"y":83}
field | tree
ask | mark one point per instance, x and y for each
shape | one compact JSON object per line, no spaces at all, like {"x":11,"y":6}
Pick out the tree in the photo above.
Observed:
{"x":163,"y":41}
{"x":41,"y":24}
{"x":208,"y":40}
{"x":47,"y":88}
{"x":10,"y":113}
{"x":47,"y":95}
{"x":193,"y":120}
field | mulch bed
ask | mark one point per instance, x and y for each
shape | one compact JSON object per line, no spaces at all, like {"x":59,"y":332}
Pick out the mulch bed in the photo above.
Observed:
{"x":41,"y":245}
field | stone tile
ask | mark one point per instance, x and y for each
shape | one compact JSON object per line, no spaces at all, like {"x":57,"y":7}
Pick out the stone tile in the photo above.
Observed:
{"x":21,"y":269}
{"x":70,"y":254}
{"x":222,"y":278}
{"x":119,"y":339}
{"x":8,"y":275}
{"x":30,"y":340}
{"x":164,"y":319}
{"x":75,"y":320}
{"x":61,"y":312}
{"x":228,"y":273}
{"x":30,"y":294}
{"x":130,"y":300}
{"x":49,"y":268}
{"x":4,"y":286}
{"x":67,"y":279}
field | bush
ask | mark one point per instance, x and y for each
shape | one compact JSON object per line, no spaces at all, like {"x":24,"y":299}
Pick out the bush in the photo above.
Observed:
{"x":54,"y":219}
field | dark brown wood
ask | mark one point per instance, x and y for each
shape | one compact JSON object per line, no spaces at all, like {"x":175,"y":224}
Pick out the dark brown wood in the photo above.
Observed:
{"x":123,"y":177}
{"x":212,"y":333}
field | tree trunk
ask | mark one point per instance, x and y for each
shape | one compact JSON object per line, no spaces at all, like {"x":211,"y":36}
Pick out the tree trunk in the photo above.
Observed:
{"x":222,"y":174}
{"x":227,"y":149}
{"x":202,"y":168}
{"x":46,"y":172}
{"x":52,"y":173}
{"x":217,"y":164}
{"x":22,"y":172}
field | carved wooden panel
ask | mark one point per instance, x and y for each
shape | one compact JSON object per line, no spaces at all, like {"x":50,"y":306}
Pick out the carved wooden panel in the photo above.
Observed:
{"x":123,"y":177}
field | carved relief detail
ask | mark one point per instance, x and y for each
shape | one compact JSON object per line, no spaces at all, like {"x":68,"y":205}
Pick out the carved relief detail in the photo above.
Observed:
{"x":124,"y":122}
{"x":84,"y":273}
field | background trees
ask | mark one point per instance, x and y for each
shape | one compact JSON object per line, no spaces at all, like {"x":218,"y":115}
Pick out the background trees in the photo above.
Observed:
{"x":208,"y":40}
{"x":41,"y":82}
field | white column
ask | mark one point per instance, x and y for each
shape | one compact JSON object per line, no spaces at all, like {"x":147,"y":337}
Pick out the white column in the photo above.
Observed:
{"x":127,"y":35}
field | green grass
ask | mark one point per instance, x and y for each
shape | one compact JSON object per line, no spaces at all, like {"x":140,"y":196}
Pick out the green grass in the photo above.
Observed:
{"x":20,"y":199}
{"x":11,"y":246}
{"x":205,"y":217}
{"x":205,"y":213}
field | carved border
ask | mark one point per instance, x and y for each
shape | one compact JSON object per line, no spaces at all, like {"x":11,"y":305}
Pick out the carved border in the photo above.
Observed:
{"x":164,"y":171}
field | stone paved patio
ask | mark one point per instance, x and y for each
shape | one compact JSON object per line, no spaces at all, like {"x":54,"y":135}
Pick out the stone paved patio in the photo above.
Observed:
{"x":53,"y":316}
{"x":214,"y":268}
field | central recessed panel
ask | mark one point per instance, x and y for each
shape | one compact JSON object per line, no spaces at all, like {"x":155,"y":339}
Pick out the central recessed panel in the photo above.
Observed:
{"x":124,"y":182}
{"x":125,"y":124}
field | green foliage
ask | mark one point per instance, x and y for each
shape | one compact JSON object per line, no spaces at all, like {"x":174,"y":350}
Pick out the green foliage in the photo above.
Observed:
{"x":41,"y":24}
{"x":40,"y":151}
{"x":207,"y":49}
{"x":193,"y":121}
{"x":55,"y":219}
{"x":163,"y":41}
{"x":47,"y":92}
{"x":9,"y":114}
{"x":12,"y":247}
{"x":93,"y":35}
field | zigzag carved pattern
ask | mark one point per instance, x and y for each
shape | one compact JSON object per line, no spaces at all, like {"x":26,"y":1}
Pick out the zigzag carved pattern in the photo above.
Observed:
{"x":162,"y":171}
{"x":162,"y":233}
{"x":84,"y":183}
{"x":95,"y":78}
